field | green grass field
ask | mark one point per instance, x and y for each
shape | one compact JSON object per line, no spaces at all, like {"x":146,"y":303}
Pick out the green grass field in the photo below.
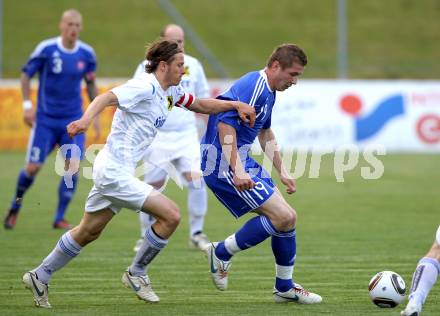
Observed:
{"x":386,"y":39}
{"x":346,"y":233}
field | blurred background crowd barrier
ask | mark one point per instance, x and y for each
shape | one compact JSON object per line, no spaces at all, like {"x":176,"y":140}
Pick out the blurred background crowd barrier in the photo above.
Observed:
{"x":400,"y":115}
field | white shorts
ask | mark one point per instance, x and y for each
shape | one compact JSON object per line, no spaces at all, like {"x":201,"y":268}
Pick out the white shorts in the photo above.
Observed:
{"x":171,"y":154}
{"x":115,"y":186}
{"x":438,"y":235}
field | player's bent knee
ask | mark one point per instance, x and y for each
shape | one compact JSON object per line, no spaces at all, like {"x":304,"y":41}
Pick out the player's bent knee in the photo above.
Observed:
{"x":289,"y":220}
{"x":32,"y":169}
{"x":286,"y":220}
{"x":174,"y":218}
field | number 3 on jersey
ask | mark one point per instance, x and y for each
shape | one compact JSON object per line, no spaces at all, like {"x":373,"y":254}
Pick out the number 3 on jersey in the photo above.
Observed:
{"x":57,"y":64}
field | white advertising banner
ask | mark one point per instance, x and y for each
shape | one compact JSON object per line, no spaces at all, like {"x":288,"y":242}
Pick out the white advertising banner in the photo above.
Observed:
{"x":322,"y":114}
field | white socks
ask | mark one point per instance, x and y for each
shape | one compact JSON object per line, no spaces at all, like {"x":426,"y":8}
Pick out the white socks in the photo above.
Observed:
{"x":65,"y":250}
{"x":197,"y":206}
{"x":424,"y":278}
{"x":150,"y":248}
{"x":231,"y":245}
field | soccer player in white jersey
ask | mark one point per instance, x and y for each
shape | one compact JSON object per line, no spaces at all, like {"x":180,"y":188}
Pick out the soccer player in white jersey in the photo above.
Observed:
{"x":176,"y":147}
{"x":143,"y":106}
{"x":424,"y":278}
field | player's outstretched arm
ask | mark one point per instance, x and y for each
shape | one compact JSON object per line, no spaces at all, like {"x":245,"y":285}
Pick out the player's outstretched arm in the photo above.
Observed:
{"x":97,"y":106}
{"x":268,"y":143}
{"x":214,"y":106}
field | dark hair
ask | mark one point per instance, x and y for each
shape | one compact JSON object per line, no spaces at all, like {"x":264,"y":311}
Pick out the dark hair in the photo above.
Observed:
{"x":162,"y":50}
{"x":286,"y":55}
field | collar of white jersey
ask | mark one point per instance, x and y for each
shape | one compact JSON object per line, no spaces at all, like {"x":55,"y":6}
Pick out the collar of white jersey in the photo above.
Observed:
{"x":156,"y":83}
{"x":64,"y":49}
{"x":263,"y":74}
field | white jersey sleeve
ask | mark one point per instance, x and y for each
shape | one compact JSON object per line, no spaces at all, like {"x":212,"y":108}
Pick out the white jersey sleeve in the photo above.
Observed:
{"x":133,"y":92}
{"x":140,"y":69}
{"x":181,"y":98}
{"x":201,"y":83}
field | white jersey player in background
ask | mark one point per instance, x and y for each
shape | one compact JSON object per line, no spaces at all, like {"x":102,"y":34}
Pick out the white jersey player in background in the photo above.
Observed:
{"x":175,"y":152}
{"x":424,"y":278}
{"x":143,"y":106}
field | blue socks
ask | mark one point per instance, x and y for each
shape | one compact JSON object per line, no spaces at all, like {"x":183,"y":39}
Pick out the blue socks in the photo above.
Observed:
{"x":284,"y":250}
{"x":253,"y":232}
{"x":65,"y":194}
{"x":23,"y":183}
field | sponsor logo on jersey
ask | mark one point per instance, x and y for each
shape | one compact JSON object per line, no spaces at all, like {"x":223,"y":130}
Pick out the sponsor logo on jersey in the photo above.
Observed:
{"x":186,"y":71}
{"x":170,"y":103}
{"x":80,"y":65}
{"x":159,"y":122}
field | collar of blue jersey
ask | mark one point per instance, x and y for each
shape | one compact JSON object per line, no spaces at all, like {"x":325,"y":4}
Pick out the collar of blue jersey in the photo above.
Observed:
{"x":263,"y":74}
{"x":66,"y":50}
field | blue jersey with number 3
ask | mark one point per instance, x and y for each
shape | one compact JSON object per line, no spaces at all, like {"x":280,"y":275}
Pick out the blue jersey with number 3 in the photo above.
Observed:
{"x":60,"y":74}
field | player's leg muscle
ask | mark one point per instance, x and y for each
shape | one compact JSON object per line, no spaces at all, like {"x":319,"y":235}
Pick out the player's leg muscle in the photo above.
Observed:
{"x":91,"y":226}
{"x":281,"y":214}
{"x":165,"y":211}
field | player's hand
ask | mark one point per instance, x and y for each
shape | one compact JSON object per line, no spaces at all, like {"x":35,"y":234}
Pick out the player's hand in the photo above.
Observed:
{"x":77,"y":127}
{"x":243,"y":181}
{"x":290,"y":183}
{"x":246,"y":113}
{"x":29,"y":117}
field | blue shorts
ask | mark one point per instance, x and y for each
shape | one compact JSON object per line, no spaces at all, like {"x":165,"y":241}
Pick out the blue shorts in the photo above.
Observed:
{"x":44,"y":137}
{"x":241,"y":202}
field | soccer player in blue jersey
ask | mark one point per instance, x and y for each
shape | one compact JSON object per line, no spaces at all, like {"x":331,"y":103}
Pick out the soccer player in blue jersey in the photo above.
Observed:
{"x":61,"y":63}
{"x":243,"y":186}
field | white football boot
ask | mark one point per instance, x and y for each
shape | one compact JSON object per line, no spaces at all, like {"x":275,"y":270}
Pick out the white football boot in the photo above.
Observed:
{"x":297,"y":294}
{"x":39,"y":290}
{"x":218,"y":268}
{"x":199,"y":241}
{"x":141,"y":285}
{"x":412,"y":309}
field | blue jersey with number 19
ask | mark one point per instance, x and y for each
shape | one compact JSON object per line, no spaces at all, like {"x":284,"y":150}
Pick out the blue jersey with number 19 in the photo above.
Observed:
{"x":253,"y":89}
{"x":60,"y":72}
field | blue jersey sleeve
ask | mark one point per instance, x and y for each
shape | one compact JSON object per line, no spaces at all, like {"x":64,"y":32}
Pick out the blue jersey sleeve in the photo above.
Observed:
{"x":230,"y":118}
{"x":36,"y":62}
{"x":242,"y":90}
{"x":91,"y":64}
